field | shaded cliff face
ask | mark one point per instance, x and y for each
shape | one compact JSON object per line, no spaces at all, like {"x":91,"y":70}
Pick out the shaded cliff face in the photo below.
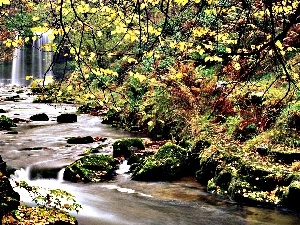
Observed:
{"x":9,"y":199}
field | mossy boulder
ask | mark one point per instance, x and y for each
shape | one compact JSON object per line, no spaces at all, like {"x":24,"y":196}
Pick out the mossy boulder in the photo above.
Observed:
{"x":39,"y":117}
{"x":6,"y":123}
{"x":168,"y":163}
{"x":291,"y":197}
{"x":9,"y":199}
{"x":80,"y":140}
{"x":237,"y":188}
{"x":67,"y":118}
{"x":208,"y":164}
{"x":93,"y":168}
{"x":125,"y":147}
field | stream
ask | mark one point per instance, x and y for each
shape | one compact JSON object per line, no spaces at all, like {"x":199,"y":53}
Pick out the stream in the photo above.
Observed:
{"x":39,"y":152}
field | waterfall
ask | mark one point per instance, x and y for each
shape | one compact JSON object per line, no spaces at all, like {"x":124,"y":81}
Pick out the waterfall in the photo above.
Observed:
{"x":32,"y":173}
{"x":17,"y":67}
{"x":32,"y":61}
{"x":41,"y":58}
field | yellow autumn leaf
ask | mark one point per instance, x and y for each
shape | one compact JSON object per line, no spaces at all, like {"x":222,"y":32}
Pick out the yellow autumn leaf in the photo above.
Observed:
{"x":179,"y":75}
{"x":132,"y":60}
{"x":28,"y":77}
{"x":228,"y":50}
{"x":35,"y":18}
{"x":4,"y":2}
{"x":236,"y":65}
{"x":181,"y":46}
{"x":51,"y":36}
{"x":279,"y":45}
{"x":92,"y":56}
{"x":8,"y":44}
{"x":140,"y":77}
{"x":213,"y":58}
{"x":99,"y":33}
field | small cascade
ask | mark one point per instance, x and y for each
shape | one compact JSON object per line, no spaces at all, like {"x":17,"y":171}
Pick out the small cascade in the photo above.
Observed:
{"x":22,"y":174}
{"x":36,"y":173}
{"x":60,"y":175}
{"x":123,"y":168}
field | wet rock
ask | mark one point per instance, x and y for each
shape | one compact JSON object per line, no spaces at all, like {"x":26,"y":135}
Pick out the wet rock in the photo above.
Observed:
{"x":291,"y":197}
{"x":262,"y":149}
{"x":126,"y":147}
{"x":294,"y":121}
{"x":93,"y":168}
{"x":255,"y":98}
{"x":18,"y":120}
{"x":168,"y":163}
{"x":12,"y":132}
{"x":9,"y":199}
{"x":39,"y":117}
{"x":67,"y":118}
{"x":14,"y":98}
{"x":286,"y":156}
{"x":80,"y":140}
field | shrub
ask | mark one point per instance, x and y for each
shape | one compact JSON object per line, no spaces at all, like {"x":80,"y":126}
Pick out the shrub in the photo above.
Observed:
{"x":6,"y":123}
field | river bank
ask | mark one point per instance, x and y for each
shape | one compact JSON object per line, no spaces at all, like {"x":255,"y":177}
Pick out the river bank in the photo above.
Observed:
{"x":121,"y":201}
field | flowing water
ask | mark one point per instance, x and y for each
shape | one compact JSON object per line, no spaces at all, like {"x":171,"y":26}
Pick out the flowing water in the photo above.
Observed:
{"x":39,"y":151}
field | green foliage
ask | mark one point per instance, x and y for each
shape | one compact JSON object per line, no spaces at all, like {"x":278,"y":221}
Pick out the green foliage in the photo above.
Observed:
{"x":208,"y":72}
{"x":52,"y":205}
{"x":21,"y":23}
{"x":6,"y":123}
{"x":55,"y":199}
{"x":232,"y":123}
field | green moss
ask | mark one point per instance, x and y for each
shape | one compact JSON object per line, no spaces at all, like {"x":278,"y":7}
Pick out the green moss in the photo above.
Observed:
{"x":6,"y":123}
{"x":92,"y":168}
{"x":170,"y":162}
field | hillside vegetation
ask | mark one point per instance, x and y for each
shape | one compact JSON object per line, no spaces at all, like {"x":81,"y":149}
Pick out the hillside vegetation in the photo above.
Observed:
{"x":225,"y":73}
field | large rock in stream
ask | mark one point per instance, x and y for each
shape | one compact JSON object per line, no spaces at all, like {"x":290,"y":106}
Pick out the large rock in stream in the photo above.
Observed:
{"x":93,"y":168}
{"x":39,"y":117}
{"x":67,"y":118}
